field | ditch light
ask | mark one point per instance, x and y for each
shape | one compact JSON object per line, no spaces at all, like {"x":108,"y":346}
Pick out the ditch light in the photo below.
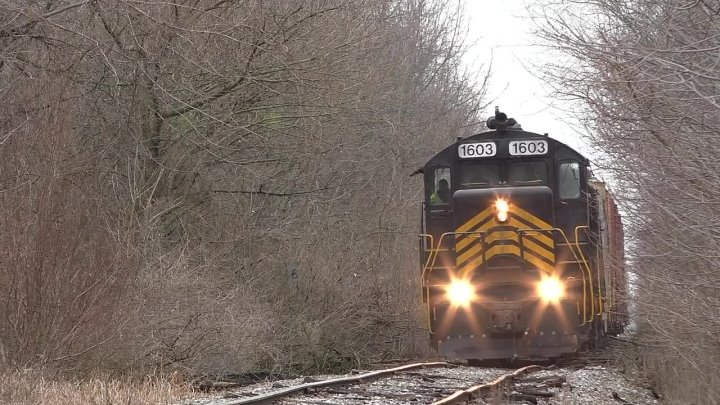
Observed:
{"x":551,"y":289}
{"x":460,"y":293}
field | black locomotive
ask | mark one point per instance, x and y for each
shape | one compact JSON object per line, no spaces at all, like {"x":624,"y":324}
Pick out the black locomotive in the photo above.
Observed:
{"x":521,"y":250}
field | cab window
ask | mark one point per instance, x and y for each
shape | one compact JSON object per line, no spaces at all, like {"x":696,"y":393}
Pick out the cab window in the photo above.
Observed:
{"x":475,"y":175}
{"x":527,"y":173}
{"x":441,"y":186}
{"x":569,"y":180}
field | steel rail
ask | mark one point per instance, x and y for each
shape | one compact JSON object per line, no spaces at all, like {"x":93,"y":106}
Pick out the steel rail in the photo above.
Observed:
{"x":464,"y":396}
{"x":269,"y":397}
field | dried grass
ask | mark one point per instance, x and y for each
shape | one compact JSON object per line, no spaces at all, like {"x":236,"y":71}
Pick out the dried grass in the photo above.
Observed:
{"x":35,"y":387}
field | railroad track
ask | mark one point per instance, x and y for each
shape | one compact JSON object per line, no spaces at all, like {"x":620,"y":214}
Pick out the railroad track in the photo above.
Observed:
{"x":436,"y":383}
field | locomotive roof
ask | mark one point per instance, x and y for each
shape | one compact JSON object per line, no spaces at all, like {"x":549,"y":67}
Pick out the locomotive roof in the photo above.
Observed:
{"x":449,"y":154}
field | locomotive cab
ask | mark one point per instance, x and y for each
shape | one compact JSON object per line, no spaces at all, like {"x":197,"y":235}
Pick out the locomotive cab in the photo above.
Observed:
{"x":509,"y":247}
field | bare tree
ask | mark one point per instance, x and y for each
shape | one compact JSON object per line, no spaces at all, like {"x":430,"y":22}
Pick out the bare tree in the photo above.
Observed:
{"x":645,"y":79}
{"x":235,"y":174}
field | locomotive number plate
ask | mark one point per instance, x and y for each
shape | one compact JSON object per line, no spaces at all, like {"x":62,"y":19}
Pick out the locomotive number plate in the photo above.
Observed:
{"x":528,"y":148}
{"x":479,"y":149}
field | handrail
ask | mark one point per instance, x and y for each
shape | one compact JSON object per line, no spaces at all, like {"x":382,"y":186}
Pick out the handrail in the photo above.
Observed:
{"x":589,"y":271}
{"x":422,"y":276}
{"x":600,"y":304}
{"x":427,"y":235}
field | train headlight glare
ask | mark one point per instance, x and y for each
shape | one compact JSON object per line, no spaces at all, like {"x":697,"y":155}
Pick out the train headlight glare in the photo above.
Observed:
{"x":551,"y":289}
{"x":460,"y":292}
{"x":501,"y":210}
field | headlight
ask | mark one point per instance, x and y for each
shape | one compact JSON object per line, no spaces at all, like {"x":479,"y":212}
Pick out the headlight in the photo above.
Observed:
{"x":460,"y":293}
{"x":551,"y":289}
{"x":501,"y":210}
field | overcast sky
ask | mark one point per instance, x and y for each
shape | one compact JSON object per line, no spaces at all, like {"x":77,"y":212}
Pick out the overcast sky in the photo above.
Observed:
{"x":502,"y":32}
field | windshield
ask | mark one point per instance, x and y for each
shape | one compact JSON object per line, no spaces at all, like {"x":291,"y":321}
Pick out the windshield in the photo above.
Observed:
{"x":520,"y":173}
{"x":480,"y":175}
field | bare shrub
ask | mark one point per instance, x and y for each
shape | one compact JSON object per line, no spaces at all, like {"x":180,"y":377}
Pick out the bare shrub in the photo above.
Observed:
{"x":65,"y":263}
{"x":644,"y":78}
{"x":168,"y":163}
{"x":184,"y":316}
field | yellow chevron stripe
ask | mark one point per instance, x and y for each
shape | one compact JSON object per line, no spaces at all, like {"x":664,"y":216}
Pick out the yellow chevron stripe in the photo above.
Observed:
{"x":535,"y":251}
{"x":467,"y":239}
{"x":475,"y":220}
{"x":463,"y":240}
{"x":470,"y":266}
{"x":502,"y":235}
{"x":539,"y":223}
{"x":466,"y":255}
{"x":542,"y":265}
{"x":503,"y":250}
{"x":506,"y":249}
{"x":539,"y":250}
{"x":490,"y":238}
{"x":463,"y":243}
{"x":493,"y":251}
{"x":541,"y":236}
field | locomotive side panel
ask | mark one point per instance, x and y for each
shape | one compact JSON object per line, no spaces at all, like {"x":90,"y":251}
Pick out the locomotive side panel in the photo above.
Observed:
{"x":617,"y":267}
